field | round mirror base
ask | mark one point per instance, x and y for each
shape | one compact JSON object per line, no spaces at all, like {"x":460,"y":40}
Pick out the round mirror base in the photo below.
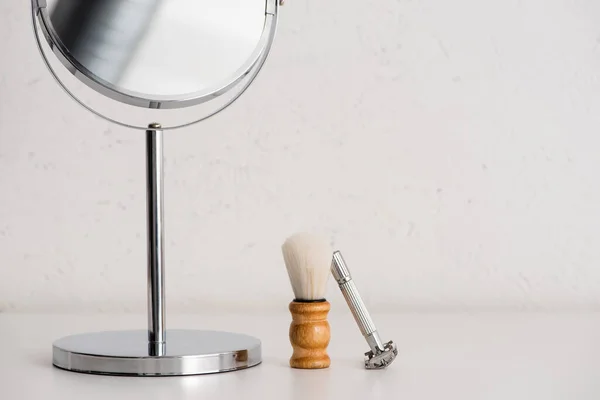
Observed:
{"x":185,"y":352}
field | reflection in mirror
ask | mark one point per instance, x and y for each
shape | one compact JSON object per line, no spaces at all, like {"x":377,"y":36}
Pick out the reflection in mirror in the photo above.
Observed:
{"x":159,"y":47}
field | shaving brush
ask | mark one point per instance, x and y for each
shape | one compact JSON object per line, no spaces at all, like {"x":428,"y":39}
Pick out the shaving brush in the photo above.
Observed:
{"x":308,"y":261}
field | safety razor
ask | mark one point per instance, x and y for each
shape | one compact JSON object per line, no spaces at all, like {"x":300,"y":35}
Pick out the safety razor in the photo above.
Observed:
{"x":381,"y":354}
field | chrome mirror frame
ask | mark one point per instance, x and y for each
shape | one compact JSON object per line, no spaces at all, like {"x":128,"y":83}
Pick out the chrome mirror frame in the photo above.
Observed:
{"x":144,"y":100}
{"x":243,"y":77}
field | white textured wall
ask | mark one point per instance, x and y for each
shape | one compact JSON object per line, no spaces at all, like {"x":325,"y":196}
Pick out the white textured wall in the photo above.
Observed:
{"x":451,"y":148}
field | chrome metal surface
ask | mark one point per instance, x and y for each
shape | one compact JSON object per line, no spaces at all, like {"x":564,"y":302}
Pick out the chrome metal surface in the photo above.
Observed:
{"x":103,"y":35}
{"x":374,"y":341}
{"x":155,"y":245}
{"x":112,"y":46}
{"x":379,"y":356}
{"x":104,"y":44}
{"x":40,"y":32}
{"x":187,"y":352}
{"x":383,"y":358}
{"x":349,"y":290}
{"x":340,"y":271}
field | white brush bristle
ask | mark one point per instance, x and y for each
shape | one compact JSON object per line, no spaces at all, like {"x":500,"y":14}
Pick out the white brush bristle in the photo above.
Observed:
{"x":308,"y":261}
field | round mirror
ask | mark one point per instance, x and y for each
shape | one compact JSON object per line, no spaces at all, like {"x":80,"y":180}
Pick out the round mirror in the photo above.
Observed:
{"x":157,"y":54}
{"x":160,"y":64}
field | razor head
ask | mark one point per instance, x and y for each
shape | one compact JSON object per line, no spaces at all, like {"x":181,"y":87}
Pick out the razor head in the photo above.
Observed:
{"x":383,"y":359}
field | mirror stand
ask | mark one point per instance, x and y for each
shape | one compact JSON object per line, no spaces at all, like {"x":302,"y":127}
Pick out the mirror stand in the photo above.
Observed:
{"x":155,"y":244}
{"x":157,"y":351}
{"x":90,"y":42}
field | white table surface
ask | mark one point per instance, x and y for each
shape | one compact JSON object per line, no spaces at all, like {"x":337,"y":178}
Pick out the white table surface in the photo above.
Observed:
{"x":442,"y":356}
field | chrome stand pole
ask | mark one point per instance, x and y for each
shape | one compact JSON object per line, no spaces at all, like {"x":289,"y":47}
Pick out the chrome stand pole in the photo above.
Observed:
{"x":146,"y":352}
{"x":155,"y":220}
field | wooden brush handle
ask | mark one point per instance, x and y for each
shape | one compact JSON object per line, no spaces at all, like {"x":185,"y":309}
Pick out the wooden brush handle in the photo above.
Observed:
{"x":309,"y":335}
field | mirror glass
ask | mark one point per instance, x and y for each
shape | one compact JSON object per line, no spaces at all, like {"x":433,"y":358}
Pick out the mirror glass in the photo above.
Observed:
{"x":158,"y":48}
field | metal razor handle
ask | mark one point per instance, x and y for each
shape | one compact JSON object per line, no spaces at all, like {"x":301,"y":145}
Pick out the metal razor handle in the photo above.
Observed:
{"x":342,"y":275}
{"x":355,"y":302}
